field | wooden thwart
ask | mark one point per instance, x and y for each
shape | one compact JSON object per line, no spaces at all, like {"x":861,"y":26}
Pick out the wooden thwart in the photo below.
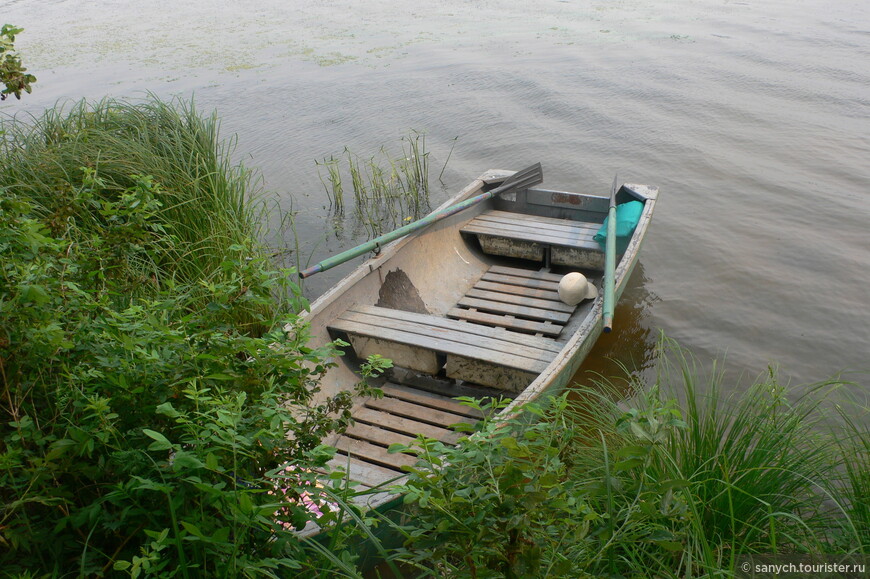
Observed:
{"x":534,"y":238}
{"x":534,"y":229}
{"x":431,"y":335}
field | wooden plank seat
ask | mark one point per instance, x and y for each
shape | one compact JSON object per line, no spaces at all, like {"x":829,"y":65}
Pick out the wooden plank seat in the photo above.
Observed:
{"x":490,"y":356}
{"x":516,"y":299}
{"x":530,"y":237}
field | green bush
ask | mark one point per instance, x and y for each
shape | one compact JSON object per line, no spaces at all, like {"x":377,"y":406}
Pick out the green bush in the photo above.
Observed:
{"x":13,"y":75}
{"x":147,"y":432}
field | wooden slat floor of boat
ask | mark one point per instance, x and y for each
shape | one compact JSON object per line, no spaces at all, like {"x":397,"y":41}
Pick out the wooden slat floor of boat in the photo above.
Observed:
{"x":371,"y":475}
{"x":535,"y":229}
{"x":506,"y":288}
{"x":448,"y":336}
{"x":373,"y":453}
{"x":397,"y":418}
{"x":506,"y":321}
{"x":430,"y":400}
{"x":515,"y":310}
{"x":445,"y":387}
{"x":520,"y":282}
{"x":521,"y":273}
{"x":555,"y":305}
{"x":404,"y":426}
{"x":516,"y":299}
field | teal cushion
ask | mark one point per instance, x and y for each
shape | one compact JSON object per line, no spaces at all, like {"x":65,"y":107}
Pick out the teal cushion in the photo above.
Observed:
{"x":627,"y":216}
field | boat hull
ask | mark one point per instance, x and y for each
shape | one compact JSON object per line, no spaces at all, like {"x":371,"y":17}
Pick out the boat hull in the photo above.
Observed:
{"x":431,"y":272}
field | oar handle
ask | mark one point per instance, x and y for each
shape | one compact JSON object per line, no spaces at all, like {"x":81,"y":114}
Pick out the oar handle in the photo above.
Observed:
{"x":610,"y":261}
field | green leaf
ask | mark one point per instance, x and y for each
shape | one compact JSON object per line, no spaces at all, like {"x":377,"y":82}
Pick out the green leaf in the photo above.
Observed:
{"x":167,"y":410}
{"x":35,"y":294}
{"x":510,"y":443}
{"x":632,"y":451}
{"x":628,"y":464}
{"x":222,"y":535}
{"x":211,"y":461}
{"x":674,"y":484}
{"x":185,"y":460}
{"x":121,"y":565}
{"x":192,"y":529}
{"x":672,"y":546}
{"x":639,"y":432}
{"x":160,"y":441}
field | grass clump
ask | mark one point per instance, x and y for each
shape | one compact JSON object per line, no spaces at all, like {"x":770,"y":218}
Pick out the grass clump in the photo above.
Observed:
{"x":71,"y":164}
{"x":673,"y":483}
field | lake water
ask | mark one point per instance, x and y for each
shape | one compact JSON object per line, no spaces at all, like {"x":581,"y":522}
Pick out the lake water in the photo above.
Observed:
{"x":753,"y":118}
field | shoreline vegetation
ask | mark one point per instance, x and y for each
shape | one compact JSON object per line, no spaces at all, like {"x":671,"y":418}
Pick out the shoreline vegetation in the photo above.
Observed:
{"x":157,"y":397}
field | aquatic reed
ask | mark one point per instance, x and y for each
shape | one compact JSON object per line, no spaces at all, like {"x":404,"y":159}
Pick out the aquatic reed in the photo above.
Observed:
{"x":387,"y":190}
{"x":334,"y":190}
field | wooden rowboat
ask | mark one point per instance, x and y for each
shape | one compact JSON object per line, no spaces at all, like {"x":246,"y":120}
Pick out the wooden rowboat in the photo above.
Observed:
{"x":468,"y":306}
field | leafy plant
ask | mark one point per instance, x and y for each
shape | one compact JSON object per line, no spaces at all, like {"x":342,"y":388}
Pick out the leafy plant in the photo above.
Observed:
{"x":144,"y":434}
{"x":13,"y":75}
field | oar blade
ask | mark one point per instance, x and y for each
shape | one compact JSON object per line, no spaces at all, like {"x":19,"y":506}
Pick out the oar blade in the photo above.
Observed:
{"x":528,"y":177}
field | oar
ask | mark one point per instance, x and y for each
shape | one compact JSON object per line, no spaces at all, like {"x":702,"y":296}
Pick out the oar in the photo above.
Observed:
{"x":610,"y":260}
{"x":520,"y":180}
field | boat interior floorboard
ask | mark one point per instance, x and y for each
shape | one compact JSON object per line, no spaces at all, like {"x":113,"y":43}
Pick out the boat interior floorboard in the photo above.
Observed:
{"x":403,"y":413}
{"x":520,"y":300}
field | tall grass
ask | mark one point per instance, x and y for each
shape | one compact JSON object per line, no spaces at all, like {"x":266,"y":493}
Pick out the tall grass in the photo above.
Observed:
{"x":755,"y":470}
{"x":758,"y":461}
{"x":205,"y":197}
{"x":677,"y":481}
{"x":853,"y":443}
{"x":74,"y":162}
